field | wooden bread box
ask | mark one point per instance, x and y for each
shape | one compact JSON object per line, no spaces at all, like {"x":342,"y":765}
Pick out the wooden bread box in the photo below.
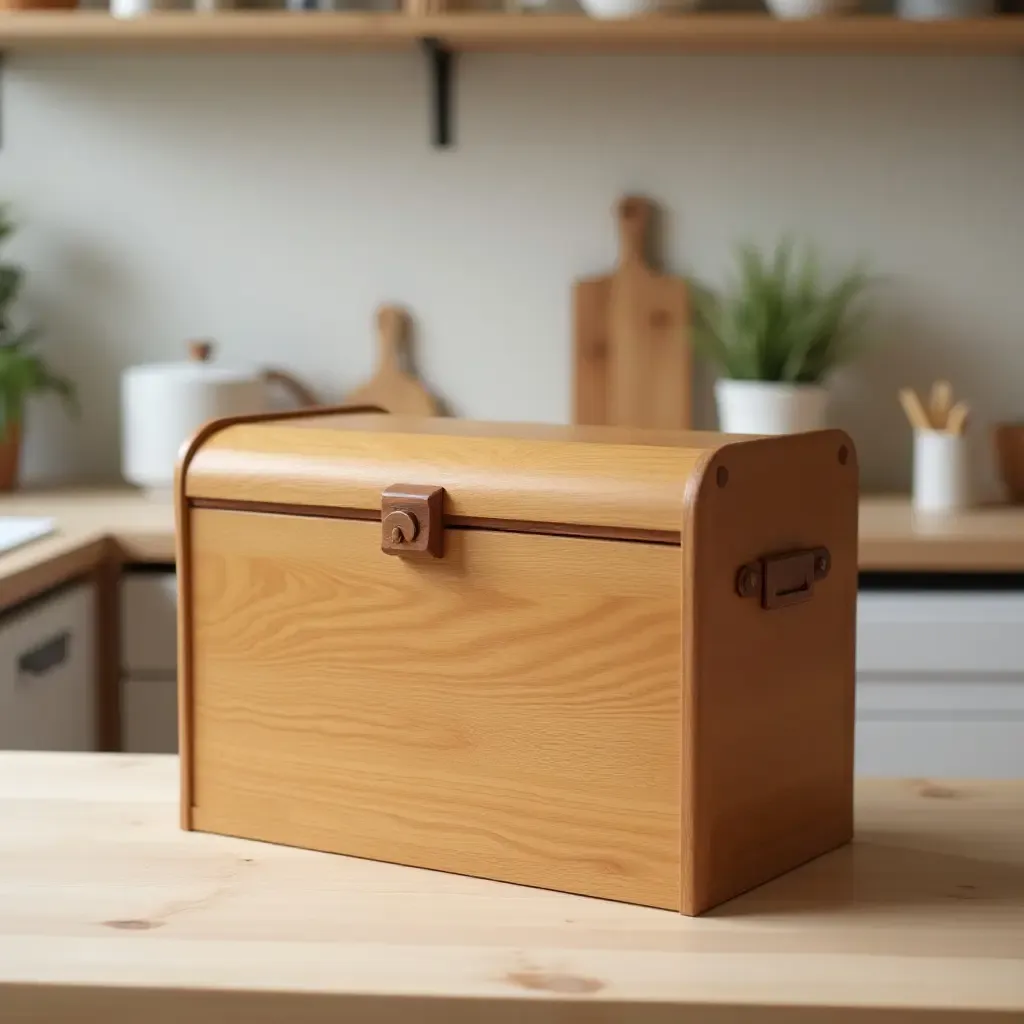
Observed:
{"x":606,"y":662}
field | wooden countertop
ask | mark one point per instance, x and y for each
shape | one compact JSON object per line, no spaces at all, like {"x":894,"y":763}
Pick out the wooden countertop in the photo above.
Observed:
{"x":130,"y":526}
{"x":985,"y":539}
{"x":92,"y":524}
{"x":109,"y":912}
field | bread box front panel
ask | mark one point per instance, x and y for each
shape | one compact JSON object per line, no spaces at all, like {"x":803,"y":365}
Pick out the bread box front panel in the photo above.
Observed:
{"x":510,"y":710}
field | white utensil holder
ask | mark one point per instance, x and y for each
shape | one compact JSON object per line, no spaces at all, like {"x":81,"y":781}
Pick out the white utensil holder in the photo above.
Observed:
{"x":941,"y":471}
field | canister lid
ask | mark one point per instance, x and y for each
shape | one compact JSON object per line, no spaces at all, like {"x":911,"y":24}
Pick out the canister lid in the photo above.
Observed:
{"x":549,"y":478}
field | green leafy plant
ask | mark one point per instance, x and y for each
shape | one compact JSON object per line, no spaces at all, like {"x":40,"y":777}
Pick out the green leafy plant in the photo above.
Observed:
{"x":23,"y":372}
{"x":781,"y":320}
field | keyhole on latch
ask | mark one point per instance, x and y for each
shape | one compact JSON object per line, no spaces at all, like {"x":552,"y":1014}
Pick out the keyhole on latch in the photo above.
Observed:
{"x":403,"y":527}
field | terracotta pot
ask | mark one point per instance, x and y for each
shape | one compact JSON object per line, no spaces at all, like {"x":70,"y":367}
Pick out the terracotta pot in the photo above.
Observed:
{"x":1009,"y":440}
{"x":10,"y":457}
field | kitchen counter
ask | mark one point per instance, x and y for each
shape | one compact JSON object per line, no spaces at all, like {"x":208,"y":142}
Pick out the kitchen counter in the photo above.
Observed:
{"x":893,"y":538}
{"x":109,"y":912}
{"x":130,"y":527}
{"x":92,"y":526}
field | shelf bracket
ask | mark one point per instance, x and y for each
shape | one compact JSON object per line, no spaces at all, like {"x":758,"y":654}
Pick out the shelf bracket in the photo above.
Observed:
{"x":440,"y":59}
{"x":3,"y":68}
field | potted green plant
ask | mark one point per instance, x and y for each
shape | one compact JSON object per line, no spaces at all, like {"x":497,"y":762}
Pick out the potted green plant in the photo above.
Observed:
{"x":776,"y":333}
{"x":23,"y":372}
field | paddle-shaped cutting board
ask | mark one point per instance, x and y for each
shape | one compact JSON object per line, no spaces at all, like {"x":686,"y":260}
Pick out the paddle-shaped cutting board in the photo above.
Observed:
{"x":632,"y":338}
{"x":392,"y":387}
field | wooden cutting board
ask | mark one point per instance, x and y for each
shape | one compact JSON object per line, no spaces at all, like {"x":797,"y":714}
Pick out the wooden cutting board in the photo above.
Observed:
{"x":393,"y":388}
{"x":632,"y":338}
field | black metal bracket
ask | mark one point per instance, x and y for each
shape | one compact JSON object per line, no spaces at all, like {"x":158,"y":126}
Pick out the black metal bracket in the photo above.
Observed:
{"x":3,"y":58}
{"x":441,"y":60}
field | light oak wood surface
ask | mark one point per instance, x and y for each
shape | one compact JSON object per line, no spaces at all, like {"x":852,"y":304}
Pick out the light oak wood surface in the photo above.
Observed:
{"x":109,"y":912}
{"x":26,"y":31}
{"x":617,"y":479}
{"x":632,"y":346}
{"x":509,"y":710}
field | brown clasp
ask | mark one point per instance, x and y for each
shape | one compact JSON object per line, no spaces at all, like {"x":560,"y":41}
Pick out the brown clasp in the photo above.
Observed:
{"x":782,"y":580}
{"x":412,"y":520}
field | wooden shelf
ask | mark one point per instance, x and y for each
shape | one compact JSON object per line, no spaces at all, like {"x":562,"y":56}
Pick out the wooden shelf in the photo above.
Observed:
{"x":23,"y":31}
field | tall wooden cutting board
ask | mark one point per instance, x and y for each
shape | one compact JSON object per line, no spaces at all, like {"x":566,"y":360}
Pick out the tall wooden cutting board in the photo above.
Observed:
{"x":393,"y":388}
{"x":632,"y":338}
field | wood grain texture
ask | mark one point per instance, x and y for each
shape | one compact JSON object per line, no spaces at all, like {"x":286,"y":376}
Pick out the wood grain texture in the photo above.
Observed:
{"x":511,"y":710}
{"x":771,"y":723}
{"x":485,"y":32}
{"x":108,"y":912}
{"x":546,"y":475}
{"x":632,"y":345}
{"x":393,"y":388}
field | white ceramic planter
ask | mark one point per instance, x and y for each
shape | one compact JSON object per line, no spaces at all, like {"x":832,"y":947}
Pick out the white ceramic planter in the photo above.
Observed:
{"x":767,"y":407}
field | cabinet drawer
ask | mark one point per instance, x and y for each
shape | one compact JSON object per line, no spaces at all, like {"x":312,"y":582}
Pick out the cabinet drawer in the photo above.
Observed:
{"x":149,"y":609}
{"x":47,"y":673}
{"x":149,"y":709}
{"x":924,"y":633}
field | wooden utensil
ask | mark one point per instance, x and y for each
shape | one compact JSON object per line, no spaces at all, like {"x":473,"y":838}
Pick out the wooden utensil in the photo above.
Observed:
{"x":632,"y":347}
{"x":392,"y":387}
{"x":941,"y":415}
{"x":914,"y":409}
{"x":956,"y":422}
{"x":940,"y":403}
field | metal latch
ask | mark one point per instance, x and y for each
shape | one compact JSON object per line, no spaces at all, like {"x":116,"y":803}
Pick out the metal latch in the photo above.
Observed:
{"x":412,"y":520}
{"x":784,"y":579}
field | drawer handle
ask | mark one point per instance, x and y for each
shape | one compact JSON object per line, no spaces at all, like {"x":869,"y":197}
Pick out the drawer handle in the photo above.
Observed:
{"x":783,"y":580}
{"x":48,"y":655}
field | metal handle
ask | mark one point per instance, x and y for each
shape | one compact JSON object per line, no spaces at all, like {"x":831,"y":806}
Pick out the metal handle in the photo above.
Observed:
{"x":785,"y":579}
{"x":48,"y":655}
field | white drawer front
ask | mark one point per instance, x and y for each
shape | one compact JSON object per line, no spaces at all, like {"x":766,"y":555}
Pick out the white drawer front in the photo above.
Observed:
{"x":940,"y":684}
{"x":928,"y":632}
{"x":47,"y":673}
{"x":149,"y":608}
{"x":941,"y":727}
{"x":149,"y":709}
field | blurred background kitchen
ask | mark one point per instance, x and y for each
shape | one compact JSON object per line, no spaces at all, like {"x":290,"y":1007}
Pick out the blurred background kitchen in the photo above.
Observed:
{"x":272,"y":201}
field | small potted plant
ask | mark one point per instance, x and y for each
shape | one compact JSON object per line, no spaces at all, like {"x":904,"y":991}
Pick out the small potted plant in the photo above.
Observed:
{"x":776,"y":334}
{"x":23,"y":372}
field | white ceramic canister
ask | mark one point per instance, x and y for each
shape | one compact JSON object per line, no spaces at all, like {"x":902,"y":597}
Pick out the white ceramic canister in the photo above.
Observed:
{"x":164,"y":404}
{"x":138,"y":8}
{"x":769,"y":407}
{"x":941,"y":471}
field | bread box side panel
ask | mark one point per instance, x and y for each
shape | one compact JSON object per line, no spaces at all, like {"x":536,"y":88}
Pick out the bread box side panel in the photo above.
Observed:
{"x":770,"y":666}
{"x":510,"y":710}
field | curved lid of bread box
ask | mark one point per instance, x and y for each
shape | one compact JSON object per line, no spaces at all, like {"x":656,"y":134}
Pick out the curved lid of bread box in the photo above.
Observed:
{"x":605,"y":479}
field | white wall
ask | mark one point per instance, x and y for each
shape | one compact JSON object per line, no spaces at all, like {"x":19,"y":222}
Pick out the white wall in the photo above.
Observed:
{"x":271,"y":202}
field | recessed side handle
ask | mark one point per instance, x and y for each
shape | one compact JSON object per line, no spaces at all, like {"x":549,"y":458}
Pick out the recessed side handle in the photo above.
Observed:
{"x":47,"y":656}
{"x":784,"y":579}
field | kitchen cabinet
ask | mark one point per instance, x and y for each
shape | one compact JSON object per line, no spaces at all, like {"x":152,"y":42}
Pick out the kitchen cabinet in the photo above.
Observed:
{"x":940,"y":683}
{"x":149,"y":659}
{"x":48,"y":672}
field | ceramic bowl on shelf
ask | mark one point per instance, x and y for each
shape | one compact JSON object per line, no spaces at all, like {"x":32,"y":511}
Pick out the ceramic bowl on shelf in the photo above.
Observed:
{"x":797,"y":9}
{"x":611,"y":9}
{"x":938,"y":10}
